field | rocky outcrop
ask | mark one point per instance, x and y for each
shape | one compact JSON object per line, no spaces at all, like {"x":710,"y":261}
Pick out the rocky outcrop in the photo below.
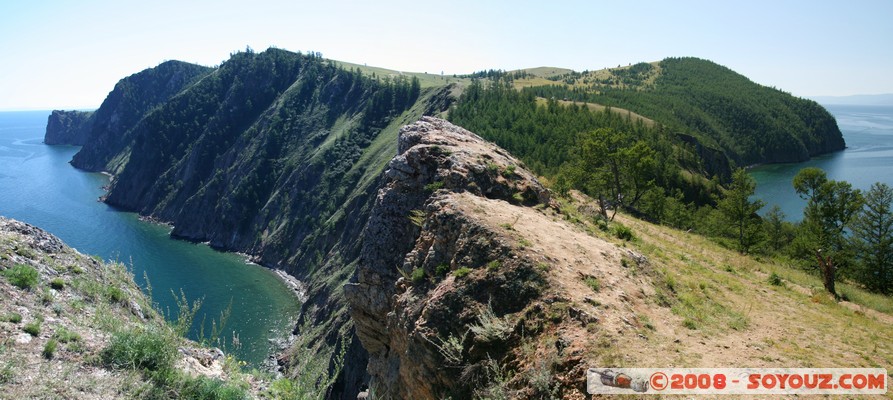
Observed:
{"x":68,"y":127}
{"x":423,"y":272}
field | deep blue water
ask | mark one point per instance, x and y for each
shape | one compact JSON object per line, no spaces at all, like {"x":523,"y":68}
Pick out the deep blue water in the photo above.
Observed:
{"x":38,"y":186}
{"x":868,"y":131}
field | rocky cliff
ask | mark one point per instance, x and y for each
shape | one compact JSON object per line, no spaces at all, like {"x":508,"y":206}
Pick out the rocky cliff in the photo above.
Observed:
{"x":473,"y":283}
{"x":274,"y":154}
{"x":457,"y":272}
{"x":68,"y":127}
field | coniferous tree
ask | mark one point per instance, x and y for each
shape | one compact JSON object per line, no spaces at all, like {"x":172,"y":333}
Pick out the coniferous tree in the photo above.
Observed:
{"x":775,"y":227}
{"x":873,"y":239}
{"x":831,"y":206}
{"x":740,"y":212}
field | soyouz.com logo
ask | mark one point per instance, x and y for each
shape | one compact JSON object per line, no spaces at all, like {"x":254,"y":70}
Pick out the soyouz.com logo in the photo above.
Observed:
{"x":787,"y":381}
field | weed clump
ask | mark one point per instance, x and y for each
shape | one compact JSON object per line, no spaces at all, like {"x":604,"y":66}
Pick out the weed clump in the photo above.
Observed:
{"x":462,"y":272}
{"x":50,"y":349}
{"x":32,"y":328}
{"x":146,"y":349}
{"x":57,"y":283}
{"x":21,"y":276}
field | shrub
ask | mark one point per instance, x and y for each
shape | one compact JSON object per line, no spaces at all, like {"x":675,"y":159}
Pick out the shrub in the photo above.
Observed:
{"x":433,"y":186}
{"x":13,"y":317}
{"x":32,"y":328}
{"x":593,"y":283}
{"x":140,"y":349}
{"x":418,"y":275}
{"x":442,"y":269}
{"x":775,"y":280}
{"x":57,"y":283}
{"x":490,"y":327}
{"x":115,"y":294}
{"x":462,"y":272}
{"x":46,"y":297}
{"x":66,"y":336}
{"x":49,"y":349}
{"x":7,"y":374}
{"x":208,"y":388}
{"x":494,"y":265}
{"x":623,"y":233}
{"x":22,"y":276}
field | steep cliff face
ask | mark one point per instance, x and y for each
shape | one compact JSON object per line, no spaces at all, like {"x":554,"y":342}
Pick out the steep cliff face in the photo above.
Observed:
{"x":433,"y":264}
{"x":108,"y":132}
{"x":274,"y":154}
{"x":68,"y":127}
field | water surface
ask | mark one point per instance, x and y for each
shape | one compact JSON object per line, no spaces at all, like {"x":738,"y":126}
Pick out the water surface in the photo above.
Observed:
{"x":38,"y":186}
{"x":868,"y":131}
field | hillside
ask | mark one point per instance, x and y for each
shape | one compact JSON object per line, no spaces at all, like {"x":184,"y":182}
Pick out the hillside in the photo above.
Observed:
{"x":75,"y":327}
{"x":274,"y":154}
{"x":289,"y":158}
{"x":750,"y":123}
{"x":502,"y":292}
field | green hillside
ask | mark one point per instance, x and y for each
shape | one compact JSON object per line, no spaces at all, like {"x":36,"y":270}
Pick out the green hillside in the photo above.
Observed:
{"x":750,"y":123}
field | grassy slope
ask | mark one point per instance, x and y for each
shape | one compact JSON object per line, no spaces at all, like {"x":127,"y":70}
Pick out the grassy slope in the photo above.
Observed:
{"x":81,"y":303}
{"x":740,"y":319}
{"x":695,"y":303}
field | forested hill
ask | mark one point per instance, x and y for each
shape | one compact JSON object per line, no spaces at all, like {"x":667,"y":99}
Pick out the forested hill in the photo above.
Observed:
{"x":106,"y":132}
{"x":750,"y":123}
{"x":275,"y":154}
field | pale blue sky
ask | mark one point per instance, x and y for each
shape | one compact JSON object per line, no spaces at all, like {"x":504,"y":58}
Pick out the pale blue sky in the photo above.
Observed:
{"x":69,"y":54}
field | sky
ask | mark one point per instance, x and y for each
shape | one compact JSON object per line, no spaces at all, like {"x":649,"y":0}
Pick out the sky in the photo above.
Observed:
{"x":69,"y":54}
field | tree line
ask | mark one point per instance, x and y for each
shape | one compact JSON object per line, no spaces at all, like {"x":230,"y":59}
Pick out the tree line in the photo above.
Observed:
{"x":650,"y":173}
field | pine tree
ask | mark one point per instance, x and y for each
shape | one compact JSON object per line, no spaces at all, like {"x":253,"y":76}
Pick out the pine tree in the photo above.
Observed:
{"x":740,"y":212}
{"x":775,"y":227}
{"x":831,"y":206}
{"x":873,"y":239}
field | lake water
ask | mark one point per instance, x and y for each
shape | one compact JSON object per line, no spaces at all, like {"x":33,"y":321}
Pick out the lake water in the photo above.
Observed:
{"x":868,"y":131}
{"x":38,"y":186}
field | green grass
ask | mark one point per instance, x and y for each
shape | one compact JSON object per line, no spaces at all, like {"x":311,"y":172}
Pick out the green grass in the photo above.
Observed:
{"x":66,"y":336}
{"x":115,"y":294}
{"x":21,"y":276}
{"x":418,"y":275}
{"x":442,"y":270}
{"x":433,"y":186}
{"x":146,"y":349}
{"x":593,"y":283}
{"x":57,"y":283}
{"x":462,"y":272}
{"x":13,"y":317}
{"x":50,"y":349}
{"x":32,"y":328}
{"x":494,"y":265}
{"x":623,"y":233}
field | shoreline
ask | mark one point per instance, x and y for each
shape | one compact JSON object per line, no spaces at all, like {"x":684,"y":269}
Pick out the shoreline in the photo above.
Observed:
{"x":297,"y":287}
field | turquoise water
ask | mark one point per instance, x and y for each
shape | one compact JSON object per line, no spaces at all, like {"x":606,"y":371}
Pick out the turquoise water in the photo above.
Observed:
{"x":38,"y":186}
{"x":868,"y":131}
